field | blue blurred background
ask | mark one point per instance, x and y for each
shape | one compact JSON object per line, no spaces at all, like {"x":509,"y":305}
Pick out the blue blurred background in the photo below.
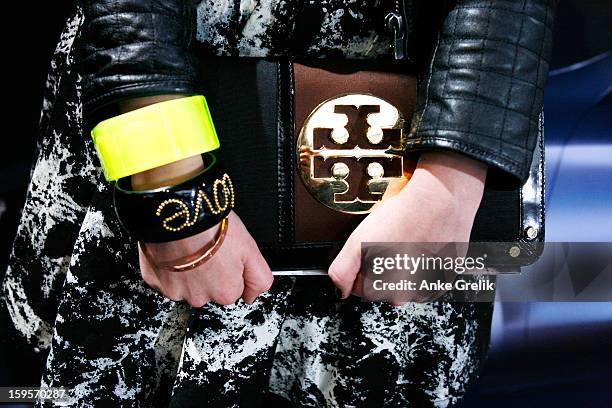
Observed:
{"x":542,"y":353}
{"x":560,"y":354}
{"x":550,"y":353}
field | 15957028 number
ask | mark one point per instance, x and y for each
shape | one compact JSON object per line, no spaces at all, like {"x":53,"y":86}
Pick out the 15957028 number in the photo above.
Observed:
{"x":31,"y":394}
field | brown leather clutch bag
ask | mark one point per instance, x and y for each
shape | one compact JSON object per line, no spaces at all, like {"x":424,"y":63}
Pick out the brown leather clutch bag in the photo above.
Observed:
{"x":347,"y":125}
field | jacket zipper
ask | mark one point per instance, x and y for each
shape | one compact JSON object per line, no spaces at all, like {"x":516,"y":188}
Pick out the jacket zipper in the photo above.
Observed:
{"x":396,"y":23}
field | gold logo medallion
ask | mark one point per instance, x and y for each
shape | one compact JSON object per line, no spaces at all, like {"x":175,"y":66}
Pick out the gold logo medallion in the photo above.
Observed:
{"x":342,"y":151}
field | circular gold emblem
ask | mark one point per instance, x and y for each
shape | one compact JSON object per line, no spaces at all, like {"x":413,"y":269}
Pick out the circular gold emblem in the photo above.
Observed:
{"x":343,"y":151}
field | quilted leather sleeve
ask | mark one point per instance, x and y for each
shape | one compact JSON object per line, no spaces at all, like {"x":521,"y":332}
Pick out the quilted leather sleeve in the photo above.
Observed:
{"x":133,"y":48}
{"x":483,"y":90}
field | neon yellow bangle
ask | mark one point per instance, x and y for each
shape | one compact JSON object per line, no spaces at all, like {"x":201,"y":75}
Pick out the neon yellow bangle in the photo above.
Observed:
{"x":155,"y":135}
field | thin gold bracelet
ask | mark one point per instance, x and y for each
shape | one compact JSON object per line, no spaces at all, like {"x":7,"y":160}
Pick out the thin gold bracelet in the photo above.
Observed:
{"x":192,"y":261}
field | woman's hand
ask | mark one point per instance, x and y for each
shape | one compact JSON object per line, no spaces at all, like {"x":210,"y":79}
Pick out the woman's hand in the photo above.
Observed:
{"x":236,"y":270}
{"x":438,"y":204}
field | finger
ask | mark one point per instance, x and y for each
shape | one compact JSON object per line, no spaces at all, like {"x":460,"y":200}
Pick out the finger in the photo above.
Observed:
{"x":226,"y":284}
{"x":147,"y":271}
{"x":257,"y":276}
{"x":229,"y":295}
{"x":151,"y":277}
{"x":194,"y":294}
{"x":174,"y":296}
{"x":344,"y":269}
{"x":197,"y":301}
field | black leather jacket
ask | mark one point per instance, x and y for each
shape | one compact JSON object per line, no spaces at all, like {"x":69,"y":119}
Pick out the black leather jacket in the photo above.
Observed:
{"x":483,"y":68}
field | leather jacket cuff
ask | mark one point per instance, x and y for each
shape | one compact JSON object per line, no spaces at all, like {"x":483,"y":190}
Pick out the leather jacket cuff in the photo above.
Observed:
{"x":483,"y":90}
{"x":504,"y":173}
{"x":133,"y":48}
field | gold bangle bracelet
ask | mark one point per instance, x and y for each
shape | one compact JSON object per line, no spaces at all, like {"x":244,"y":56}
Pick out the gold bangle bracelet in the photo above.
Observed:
{"x":192,"y":261}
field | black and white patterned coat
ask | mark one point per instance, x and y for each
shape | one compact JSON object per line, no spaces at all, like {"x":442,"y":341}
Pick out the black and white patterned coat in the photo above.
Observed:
{"x":73,"y":288}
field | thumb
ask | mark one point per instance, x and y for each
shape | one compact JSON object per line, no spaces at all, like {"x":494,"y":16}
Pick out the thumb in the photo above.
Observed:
{"x":344,"y":269}
{"x":257,"y":276}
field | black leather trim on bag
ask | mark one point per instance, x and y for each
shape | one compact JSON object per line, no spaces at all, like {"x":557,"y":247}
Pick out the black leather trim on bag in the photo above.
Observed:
{"x":285,"y":161}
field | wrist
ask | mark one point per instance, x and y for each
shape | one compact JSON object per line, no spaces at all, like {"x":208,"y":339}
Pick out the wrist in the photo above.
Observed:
{"x":140,"y":102}
{"x":168,"y":174}
{"x":452,"y":180}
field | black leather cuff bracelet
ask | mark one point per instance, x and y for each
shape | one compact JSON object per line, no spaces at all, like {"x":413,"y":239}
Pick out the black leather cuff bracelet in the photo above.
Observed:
{"x":176,"y":212}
